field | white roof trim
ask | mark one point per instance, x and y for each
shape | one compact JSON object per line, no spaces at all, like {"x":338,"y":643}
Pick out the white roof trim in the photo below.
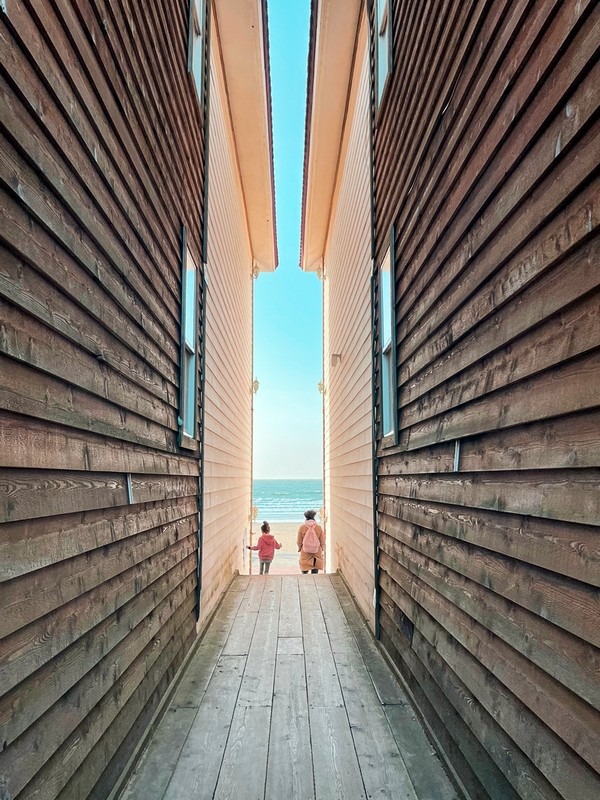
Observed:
{"x":243,"y":40}
{"x":336,"y":30}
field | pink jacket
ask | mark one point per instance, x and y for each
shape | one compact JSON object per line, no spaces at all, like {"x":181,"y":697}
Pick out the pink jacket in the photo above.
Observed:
{"x":266,"y":547}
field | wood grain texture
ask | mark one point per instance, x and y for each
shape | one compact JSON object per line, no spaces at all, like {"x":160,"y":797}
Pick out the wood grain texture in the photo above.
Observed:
{"x":286,"y":746}
{"x":30,"y":545}
{"x":101,"y":163}
{"x":491,"y":183}
{"x":289,"y":764}
{"x":93,"y":776}
{"x":34,"y":695}
{"x":337,"y":771}
{"x":382,"y":766}
{"x":245,"y":760}
{"x":568,"y":658}
{"x":158,"y":762}
{"x":570,"y":718}
{"x":197,"y":770}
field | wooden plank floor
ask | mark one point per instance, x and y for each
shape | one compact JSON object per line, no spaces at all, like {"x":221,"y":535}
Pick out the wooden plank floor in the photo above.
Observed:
{"x":289,"y":698}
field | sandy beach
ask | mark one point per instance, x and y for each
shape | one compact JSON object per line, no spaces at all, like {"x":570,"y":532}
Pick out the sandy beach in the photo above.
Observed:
{"x":286,"y":559}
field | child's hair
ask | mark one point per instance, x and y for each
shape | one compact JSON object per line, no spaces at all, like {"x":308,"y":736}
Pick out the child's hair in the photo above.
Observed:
{"x":265,"y":527}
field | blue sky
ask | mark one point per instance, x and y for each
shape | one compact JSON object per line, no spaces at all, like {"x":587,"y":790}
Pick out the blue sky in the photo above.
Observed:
{"x":287,"y":303}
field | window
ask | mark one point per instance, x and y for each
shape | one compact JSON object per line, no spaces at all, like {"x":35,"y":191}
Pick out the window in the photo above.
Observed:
{"x":388,"y":347}
{"x":384,"y":44}
{"x":195,"y":42}
{"x":188,"y":388}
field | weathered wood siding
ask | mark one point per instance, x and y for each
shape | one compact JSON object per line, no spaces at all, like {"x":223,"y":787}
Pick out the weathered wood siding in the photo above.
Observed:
{"x":101,"y":159}
{"x":487,"y":156}
{"x":348,"y":404}
{"x":228,"y":412}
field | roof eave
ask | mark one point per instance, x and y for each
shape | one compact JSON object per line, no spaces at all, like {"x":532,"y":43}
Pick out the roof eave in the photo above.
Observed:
{"x":243,"y":33}
{"x":333,"y":30}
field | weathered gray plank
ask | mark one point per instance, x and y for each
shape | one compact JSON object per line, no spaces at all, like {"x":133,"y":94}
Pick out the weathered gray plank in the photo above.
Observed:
{"x":290,"y":621}
{"x":313,"y":622}
{"x":242,"y":630}
{"x":253,"y":595}
{"x":257,"y":683}
{"x":281,"y":722}
{"x":383,"y":770}
{"x":158,"y":762}
{"x":271,"y":595}
{"x":340,"y":634}
{"x":197,"y":675}
{"x":321,"y":674}
{"x":240,"y":584}
{"x":290,"y":768}
{"x":292,"y":645}
{"x":244,"y":766}
{"x":200,"y":669}
{"x":421,"y":761}
{"x":200,"y":761}
{"x":419,"y":755}
{"x":386,"y":685}
{"x":337,"y":773}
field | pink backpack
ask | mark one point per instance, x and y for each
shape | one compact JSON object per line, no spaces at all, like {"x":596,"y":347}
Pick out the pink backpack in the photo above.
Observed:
{"x":311,"y":543}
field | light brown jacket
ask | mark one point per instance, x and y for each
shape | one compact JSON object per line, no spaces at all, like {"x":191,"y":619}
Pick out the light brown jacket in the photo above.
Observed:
{"x":310,"y":561}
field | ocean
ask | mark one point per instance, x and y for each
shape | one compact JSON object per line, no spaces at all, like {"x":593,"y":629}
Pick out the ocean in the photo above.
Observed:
{"x":286,"y":500}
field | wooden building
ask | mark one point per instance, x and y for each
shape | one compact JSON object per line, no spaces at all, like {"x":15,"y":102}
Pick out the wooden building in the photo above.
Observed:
{"x":241,"y":244}
{"x":336,"y":242}
{"x":484,"y":154}
{"x":125,"y":320}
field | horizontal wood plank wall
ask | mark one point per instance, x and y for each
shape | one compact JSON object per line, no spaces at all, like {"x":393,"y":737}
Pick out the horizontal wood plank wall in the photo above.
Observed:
{"x":348,"y":406}
{"x":101,"y":155}
{"x":487,"y":155}
{"x":228,"y":420}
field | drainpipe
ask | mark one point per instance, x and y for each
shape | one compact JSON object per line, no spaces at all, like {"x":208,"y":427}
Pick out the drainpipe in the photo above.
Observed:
{"x":324,"y":462}
{"x":254,"y":273}
{"x":375,"y":460}
{"x":201,"y":454}
{"x":374,"y":338}
{"x":206,"y":122}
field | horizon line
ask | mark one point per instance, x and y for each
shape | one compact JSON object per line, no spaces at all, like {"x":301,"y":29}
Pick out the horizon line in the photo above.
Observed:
{"x":317,"y":478}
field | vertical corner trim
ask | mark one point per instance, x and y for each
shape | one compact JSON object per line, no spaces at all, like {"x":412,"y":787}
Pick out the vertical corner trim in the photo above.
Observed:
{"x":129,"y":484}
{"x":457,"y":455}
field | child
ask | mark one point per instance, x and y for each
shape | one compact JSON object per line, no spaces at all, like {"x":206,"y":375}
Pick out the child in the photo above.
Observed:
{"x":266,"y":548}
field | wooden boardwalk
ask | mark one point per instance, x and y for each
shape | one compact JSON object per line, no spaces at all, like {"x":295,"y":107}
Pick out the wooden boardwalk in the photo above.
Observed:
{"x":288,"y":696}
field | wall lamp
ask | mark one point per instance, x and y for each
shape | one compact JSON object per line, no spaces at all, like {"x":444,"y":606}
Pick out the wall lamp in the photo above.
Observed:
{"x":255,"y":385}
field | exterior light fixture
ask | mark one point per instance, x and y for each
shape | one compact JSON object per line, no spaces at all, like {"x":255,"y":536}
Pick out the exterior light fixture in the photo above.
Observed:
{"x":255,"y":385}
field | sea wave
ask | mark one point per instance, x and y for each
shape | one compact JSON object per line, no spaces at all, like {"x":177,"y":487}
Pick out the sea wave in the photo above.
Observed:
{"x":286,"y":500}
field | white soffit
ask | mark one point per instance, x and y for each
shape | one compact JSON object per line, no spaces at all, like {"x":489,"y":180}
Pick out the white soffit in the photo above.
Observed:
{"x":336,"y":29}
{"x":242,"y":35}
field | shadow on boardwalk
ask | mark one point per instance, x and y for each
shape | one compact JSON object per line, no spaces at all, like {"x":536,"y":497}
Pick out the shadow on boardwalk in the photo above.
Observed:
{"x":288,"y":696}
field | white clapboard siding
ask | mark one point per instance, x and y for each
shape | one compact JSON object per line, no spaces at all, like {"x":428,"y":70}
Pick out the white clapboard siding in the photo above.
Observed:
{"x":348,"y":448}
{"x":228,"y":421}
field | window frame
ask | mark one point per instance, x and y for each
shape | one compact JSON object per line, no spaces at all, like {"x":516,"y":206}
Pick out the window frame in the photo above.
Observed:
{"x":196,"y":39}
{"x":188,"y":359}
{"x":387,"y":350}
{"x":383,"y":39}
